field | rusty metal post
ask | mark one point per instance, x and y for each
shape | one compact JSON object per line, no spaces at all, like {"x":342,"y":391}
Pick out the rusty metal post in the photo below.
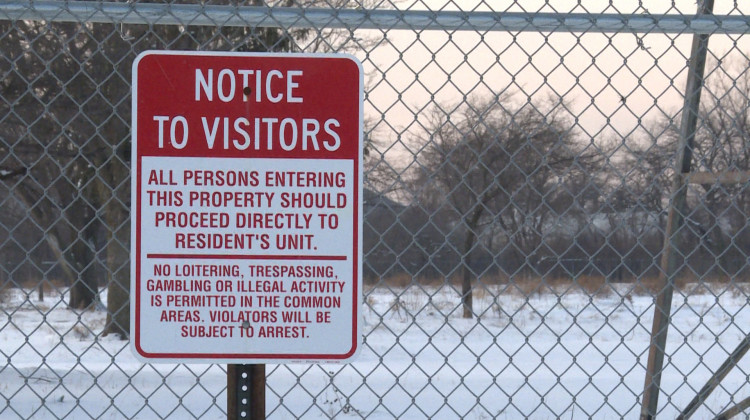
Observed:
{"x":716,"y":379}
{"x":246,"y":392}
{"x":676,"y":218}
{"x":736,"y":410}
{"x":742,"y":348}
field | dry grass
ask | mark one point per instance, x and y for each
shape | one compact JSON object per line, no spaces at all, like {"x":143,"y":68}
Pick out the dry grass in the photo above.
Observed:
{"x":81,"y":332}
{"x":4,"y":294}
{"x":597,"y":286}
{"x":403,"y":281}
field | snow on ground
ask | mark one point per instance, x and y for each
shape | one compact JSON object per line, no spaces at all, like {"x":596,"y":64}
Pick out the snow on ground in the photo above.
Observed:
{"x":554,"y":354}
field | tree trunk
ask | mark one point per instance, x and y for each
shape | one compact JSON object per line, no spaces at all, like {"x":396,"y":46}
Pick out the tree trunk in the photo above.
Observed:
{"x":79,"y":273}
{"x":118,"y":303}
{"x":54,"y":244}
{"x":83,"y":291}
{"x":118,"y":269}
{"x":467,"y":298}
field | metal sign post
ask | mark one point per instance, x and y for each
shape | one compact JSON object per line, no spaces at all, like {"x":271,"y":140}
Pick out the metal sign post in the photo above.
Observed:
{"x":246,"y":392}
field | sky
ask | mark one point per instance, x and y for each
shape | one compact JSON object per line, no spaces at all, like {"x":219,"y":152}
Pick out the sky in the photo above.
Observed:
{"x":613,"y":84}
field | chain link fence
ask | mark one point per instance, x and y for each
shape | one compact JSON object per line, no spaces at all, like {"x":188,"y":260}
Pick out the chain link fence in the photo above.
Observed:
{"x":541,"y":182}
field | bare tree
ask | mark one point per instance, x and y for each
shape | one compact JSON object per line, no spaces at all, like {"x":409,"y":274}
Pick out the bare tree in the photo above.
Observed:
{"x":722,"y":145}
{"x":495,"y":162}
{"x":713,"y":234}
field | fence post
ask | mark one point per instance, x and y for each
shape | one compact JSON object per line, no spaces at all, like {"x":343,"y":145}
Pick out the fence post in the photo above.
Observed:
{"x":246,"y":392}
{"x":675,"y":220}
{"x":716,"y":378}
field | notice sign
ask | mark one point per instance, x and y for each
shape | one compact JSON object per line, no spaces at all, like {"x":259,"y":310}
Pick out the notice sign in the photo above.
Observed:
{"x":246,"y":221}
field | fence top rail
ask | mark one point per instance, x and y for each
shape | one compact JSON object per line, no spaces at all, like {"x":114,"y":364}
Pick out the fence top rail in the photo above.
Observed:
{"x":240,"y":16}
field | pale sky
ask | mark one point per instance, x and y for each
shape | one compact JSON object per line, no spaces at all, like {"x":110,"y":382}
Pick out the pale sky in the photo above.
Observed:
{"x":648,"y":70}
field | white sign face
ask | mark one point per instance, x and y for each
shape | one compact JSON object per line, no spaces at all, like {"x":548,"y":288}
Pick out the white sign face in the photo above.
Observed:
{"x":246,"y":224}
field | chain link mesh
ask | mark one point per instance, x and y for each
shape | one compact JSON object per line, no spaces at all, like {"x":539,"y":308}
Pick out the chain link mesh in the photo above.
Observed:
{"x":518,"y":188}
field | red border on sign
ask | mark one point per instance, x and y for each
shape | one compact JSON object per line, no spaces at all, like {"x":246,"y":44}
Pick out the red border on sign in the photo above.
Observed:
{"x":350,"y":151}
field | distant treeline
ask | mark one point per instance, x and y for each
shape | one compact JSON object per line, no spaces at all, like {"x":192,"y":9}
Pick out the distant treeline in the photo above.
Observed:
{"x":408,"y":239}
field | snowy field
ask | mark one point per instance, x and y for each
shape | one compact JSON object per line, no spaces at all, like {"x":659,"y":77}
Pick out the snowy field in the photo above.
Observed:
{"x":564,"y":354}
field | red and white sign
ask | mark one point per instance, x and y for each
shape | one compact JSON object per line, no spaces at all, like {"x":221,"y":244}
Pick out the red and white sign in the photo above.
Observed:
{"x":246,"y":221}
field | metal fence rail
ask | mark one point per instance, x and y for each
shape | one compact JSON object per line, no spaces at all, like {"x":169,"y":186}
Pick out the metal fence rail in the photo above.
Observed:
{"x":360,"y":18}
{"x":528,"y":167}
